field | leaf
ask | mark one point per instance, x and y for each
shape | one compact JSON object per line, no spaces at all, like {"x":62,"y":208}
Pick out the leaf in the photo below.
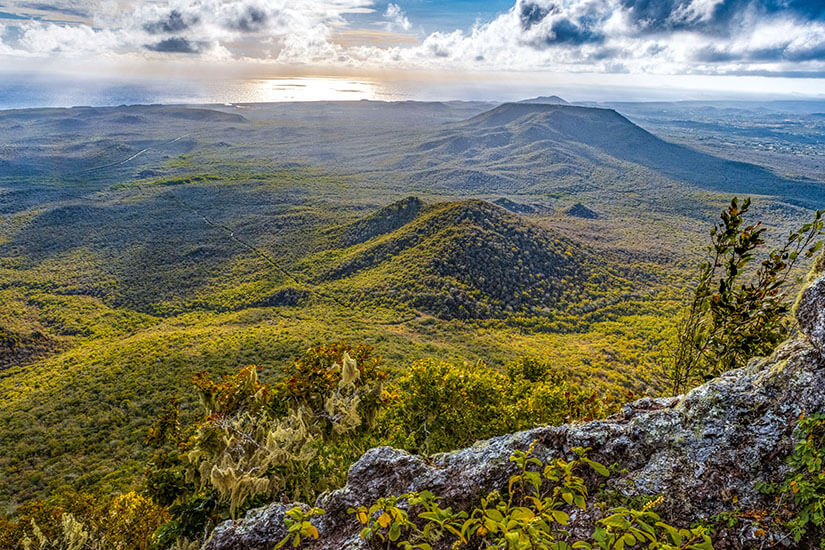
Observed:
{"x":384,"y":520}
{"x":560,"y":517}
{"x":494,"y":515}
{"x":599,"y":468}
{"x":522,"y":514}
{"x":395,"y":531}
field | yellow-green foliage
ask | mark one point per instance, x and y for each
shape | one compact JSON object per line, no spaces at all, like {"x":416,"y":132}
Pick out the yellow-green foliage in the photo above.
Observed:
{"x":256,"y":440}
{"x":438,"y":406}
{"x":801,"y":495}
{"x":533,"y":515}
{"x":84,"y":522}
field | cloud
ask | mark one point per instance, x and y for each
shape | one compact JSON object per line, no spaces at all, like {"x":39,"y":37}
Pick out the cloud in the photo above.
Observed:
{"x":65,"y":10}
{"x":174,"y":45}
{"x":594,"y":36}
{"x":251,"y":19}
{"x":397,"y":18}
{"x":641,"y":36}
{"x":173,"y":22}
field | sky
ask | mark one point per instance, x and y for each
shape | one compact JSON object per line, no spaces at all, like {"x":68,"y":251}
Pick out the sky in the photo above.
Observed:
{"x":775,"y":46}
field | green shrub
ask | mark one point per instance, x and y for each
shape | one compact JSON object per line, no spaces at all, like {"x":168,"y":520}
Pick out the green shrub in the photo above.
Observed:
{"x":534,"y":515}
{"x":729,"y":320}
{"x":803,"y":490}
{"x":437,"y":406}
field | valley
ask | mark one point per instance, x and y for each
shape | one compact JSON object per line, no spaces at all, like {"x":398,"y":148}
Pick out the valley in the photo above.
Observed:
{"x":141,"y":245}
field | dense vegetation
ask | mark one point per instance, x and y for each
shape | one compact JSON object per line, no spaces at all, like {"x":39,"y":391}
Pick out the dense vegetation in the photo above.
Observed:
{"x":730,"y":321}
{"x":533,"y":515}
{"x":103,"y":330}
{"x":236,"y":240}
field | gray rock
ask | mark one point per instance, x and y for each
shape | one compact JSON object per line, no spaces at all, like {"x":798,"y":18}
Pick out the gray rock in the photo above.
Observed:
{"x":810,"y":313}
{"x":703,"y":451}
{"x":260,"y":529}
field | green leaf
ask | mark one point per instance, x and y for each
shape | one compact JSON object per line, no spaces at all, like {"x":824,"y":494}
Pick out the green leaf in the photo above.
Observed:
{"x":560,"y":517}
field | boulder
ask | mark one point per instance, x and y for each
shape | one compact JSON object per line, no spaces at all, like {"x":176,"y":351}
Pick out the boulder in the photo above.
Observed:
{"x":260,"y":529}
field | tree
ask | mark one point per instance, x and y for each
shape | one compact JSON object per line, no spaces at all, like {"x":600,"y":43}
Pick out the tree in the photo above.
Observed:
{"x":734,"y":317}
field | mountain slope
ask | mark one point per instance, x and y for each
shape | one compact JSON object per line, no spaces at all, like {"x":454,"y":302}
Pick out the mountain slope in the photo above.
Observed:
{"x":468,"y":259}
{"x":705,"y":453}
{"x":535,"y":147}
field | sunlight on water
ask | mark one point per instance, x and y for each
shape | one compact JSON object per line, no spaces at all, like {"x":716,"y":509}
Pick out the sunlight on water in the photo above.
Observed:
{"x":19,"y":91}
{"x":311,"y":89}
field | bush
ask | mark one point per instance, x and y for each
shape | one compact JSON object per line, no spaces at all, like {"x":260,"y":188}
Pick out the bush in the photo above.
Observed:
{"x":533,"y":515}
{"x":437,"y":406}
{"x":730,"y":320}
{"x":803,"y":490}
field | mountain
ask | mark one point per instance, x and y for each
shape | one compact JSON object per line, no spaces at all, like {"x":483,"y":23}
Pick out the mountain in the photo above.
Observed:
{"x":467,"y":259}
{"x":535,"y":147}
{"x":549,"y":100}
{"x":579,"y":210}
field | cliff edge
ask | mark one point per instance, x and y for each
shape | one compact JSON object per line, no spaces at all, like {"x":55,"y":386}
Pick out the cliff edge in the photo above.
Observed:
{"x":704,"y":451}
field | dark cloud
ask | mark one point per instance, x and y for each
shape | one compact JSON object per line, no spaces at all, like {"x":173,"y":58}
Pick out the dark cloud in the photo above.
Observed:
{"x":251,"y":20}
{"x":605,"y":53}
{"x":568,"y":30}
{"x":172,"y":23}
{"x":670,"y":15}
{"x":569,"y":33}
{"x":531,"y":13}
{"x":175,"y":45}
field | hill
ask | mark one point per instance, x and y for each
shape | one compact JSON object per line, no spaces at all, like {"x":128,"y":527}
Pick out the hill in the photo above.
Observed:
{"x":465,"y":260}
{"x":549,"y":100}
{"x":142,"y":245}
{"x":690,"y":457}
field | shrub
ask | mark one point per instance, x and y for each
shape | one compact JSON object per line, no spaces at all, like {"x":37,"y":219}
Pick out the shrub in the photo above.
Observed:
{"x":534,"y":515}
{"x":437,"y":406}
{"x":803,"y":490}
{"x":729,"y":320}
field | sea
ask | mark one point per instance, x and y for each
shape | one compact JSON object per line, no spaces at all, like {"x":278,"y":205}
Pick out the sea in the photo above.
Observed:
{"x":18,"y":91}
{"x":31,"y":90}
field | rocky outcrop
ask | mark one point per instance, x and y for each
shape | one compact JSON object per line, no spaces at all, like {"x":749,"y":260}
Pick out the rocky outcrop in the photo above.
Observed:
{"x":703,"y":451}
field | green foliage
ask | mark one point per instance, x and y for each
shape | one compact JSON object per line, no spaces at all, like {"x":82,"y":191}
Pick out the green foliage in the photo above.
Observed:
{"x":387,"y":522}
{"x":8,"y":338}
{"x":84,"y":522}
{"x":627,"y":528}
{"x":533,"y":516}
{"x":299,"y":526}
{"x":803,"y":490}
{"x":730,"y":321}
{"x":437,"y":406}
{"x":255,"y":440}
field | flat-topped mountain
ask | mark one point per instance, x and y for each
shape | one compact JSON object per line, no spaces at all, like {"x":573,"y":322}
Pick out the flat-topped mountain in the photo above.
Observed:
{"x":538,"y":147}
{"x":550,"y":100}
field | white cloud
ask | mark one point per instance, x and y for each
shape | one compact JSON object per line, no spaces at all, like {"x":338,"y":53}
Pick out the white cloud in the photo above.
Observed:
{"x":397,"y":18}
{"x":608,"y":36}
